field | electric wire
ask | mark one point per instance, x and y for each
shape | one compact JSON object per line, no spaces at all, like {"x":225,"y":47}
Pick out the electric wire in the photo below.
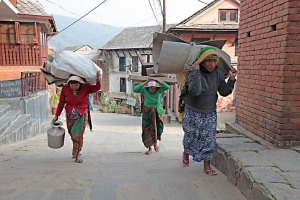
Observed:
{"x":153,"y":12}
{"x":160,"y":6}
{"x":203,"y":2}
{"x":63,"y":8}
{"x":81,"y":17}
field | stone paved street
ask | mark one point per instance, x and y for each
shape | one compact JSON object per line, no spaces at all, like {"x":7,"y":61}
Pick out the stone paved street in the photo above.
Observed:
{"x":114,"y":168}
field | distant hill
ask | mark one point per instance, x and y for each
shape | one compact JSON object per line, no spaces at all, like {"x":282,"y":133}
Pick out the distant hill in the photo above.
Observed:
{"x":82,"y":32}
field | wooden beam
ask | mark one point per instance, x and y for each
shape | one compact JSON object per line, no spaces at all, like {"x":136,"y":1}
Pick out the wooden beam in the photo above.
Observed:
{"x":139,"y":79}
{"x":117,"y":54}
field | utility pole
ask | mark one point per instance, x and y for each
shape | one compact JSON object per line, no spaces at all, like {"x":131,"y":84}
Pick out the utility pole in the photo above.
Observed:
{"x":164,"y":17}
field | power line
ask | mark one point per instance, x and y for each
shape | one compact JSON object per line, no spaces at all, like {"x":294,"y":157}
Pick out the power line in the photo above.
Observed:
{"x":203,"y":2}
{"x":82,"y":17}
{"x":155,"y":8}
{"x":153,"y":12}
{"x":160,"y":6}
{"x":63,"y":8}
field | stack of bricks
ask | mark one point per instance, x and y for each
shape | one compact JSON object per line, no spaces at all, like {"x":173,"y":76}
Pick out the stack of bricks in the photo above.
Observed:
{"x":268,"y":87}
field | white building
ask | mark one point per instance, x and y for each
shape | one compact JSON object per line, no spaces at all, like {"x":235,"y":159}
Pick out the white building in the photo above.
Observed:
{"x":130,"y":52}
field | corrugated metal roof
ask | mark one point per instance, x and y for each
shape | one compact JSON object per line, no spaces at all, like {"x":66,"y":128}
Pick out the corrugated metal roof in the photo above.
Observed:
{"x":134,"y":37}
{"x":31,"y":7}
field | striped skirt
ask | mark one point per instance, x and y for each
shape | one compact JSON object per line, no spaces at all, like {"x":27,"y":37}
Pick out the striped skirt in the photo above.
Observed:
{"x":152,"y":126}
{"x":76,"y":129}
{"x":199,"y":138}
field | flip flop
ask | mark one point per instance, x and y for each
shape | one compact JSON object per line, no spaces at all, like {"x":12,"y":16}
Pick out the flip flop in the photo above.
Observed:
{"x":185,"y":163}
{"x":78,"y":160}
{"x":210,"y":172}
{"x":156,"y":148}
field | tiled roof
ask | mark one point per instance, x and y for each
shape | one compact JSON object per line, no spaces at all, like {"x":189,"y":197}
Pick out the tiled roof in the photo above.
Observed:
{"x":134,"y":37}
{"x":75,"y":48}
{"x":208,"y":27}
{"x":31,"y":7}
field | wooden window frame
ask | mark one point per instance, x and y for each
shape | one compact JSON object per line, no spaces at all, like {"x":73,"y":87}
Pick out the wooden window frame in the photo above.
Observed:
{"x":122,"y":80}
{"x":228,"y":11}
{"x":135,"y":64}
{"x":8,"y":33}
{"x":122,"y":65}
{"x":31,"y":37}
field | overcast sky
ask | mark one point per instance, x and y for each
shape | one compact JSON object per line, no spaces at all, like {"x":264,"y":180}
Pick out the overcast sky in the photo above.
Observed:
{"x":125,"y":13}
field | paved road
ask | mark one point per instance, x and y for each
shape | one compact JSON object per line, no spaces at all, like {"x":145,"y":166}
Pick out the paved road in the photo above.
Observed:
{"x":114,"y":168}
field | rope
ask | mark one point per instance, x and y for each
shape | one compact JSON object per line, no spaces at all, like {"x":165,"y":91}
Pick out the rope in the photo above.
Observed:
{"x":188,"y":66}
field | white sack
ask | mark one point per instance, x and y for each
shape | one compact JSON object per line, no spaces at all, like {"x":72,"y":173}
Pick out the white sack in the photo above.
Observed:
{"x":68,"y":63}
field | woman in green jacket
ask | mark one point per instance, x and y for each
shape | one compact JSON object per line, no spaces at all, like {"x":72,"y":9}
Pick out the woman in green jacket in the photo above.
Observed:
{"x":152,"y":121}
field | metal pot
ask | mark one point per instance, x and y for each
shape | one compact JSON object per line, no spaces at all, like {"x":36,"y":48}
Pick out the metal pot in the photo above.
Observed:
{"x":56,"y":135}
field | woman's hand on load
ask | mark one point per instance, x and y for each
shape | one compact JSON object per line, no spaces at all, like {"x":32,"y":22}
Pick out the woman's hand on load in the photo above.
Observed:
{"x":232,"y":74}
{"x":98,"y":76}
{"x":196,"y":66}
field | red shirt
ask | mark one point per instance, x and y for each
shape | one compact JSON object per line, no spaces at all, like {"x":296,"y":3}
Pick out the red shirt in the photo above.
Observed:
{"x":80,"y":101}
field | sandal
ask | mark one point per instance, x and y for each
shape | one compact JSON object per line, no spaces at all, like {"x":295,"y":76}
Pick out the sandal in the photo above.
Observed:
{"x":149,"y":151}
{"x":210,"y":172}
{"x":185,"y":163}
{"x":78,"y":160}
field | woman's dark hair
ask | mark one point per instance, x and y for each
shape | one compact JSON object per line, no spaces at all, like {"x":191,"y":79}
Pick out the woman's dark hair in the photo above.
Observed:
{"x":73,"y":82}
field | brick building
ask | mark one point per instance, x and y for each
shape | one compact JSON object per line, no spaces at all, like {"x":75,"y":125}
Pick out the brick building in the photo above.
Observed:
{"x":268,"y":87}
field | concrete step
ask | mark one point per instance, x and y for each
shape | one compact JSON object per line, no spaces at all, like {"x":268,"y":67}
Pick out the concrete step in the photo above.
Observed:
{"x":7,"y":119}
{"x":35,"y":127}
{"x":4,"y":108}
{"x":19,"y":130}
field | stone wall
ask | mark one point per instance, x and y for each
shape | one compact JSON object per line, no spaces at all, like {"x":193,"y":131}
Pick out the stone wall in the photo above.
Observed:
{"x":37,"y":105}
{"x":268,"y":87}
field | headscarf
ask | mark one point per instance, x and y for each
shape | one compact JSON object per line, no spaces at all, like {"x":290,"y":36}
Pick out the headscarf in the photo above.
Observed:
{"x":207,"y":53}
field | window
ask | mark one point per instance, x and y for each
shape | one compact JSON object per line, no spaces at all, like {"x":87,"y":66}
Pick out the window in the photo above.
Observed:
{"x":228,"y":15}
{"x":27,"y":32}
{"x":43,"y":37}
{"x":7,"y":33}
{"x":135,"y":65}
{"x":122,"y":84}
{"x":122,"y":63}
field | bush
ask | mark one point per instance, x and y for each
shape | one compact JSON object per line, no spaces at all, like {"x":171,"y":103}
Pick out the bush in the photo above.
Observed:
{"x":54,"y":99}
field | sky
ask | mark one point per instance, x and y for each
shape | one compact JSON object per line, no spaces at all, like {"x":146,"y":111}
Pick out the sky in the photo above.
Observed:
{"x":125,"y":13}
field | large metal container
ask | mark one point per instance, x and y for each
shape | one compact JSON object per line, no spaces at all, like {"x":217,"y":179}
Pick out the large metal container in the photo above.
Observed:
{"x":56,"y":135}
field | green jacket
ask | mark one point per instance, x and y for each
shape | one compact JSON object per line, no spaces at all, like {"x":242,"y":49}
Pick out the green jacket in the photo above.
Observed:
{"x":151,"y":100}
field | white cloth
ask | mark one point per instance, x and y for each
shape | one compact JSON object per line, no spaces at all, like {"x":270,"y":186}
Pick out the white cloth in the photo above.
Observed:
{"x":67,"y":63}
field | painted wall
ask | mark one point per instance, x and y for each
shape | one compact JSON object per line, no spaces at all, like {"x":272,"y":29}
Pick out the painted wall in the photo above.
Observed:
{"x":211,"y":16}
{"x":14,"y":72}
{"x":115,"y":74}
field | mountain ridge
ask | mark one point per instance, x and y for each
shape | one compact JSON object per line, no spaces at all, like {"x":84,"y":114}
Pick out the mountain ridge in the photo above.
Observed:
{"x":82,"y":32}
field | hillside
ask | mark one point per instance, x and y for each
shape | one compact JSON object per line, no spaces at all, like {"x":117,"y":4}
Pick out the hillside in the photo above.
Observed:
{"x":82,"y":32}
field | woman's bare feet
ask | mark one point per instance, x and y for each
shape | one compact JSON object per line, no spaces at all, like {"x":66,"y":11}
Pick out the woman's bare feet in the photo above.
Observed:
{"x":185,"y":160}
{"x":149,"y":151}
{"x":156,"y":148}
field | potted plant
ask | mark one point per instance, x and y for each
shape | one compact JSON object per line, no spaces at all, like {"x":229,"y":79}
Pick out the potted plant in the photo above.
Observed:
{"x":54,"y":99}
